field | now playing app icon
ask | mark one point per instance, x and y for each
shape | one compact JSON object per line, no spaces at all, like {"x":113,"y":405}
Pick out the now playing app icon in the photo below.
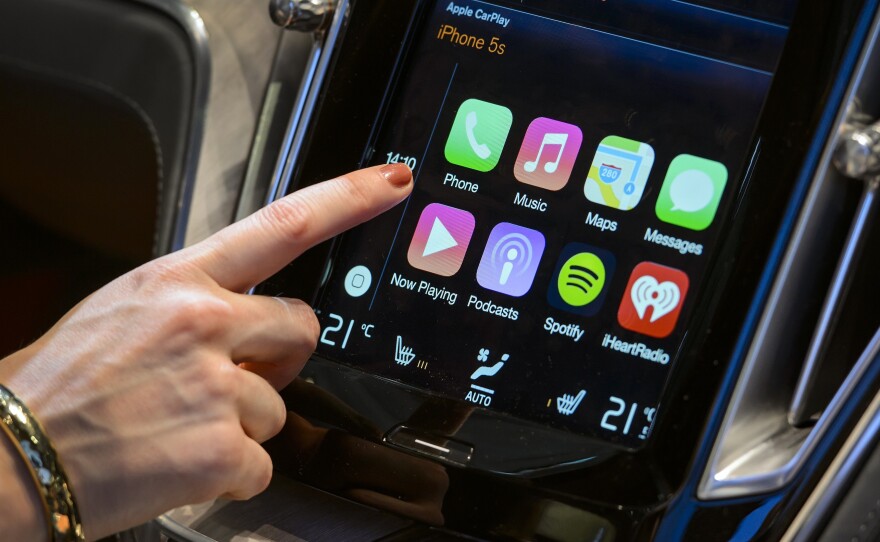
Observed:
{"x":441,"y":239}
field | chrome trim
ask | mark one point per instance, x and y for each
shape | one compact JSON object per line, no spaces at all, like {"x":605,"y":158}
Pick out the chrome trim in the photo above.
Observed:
{"x":301,"y":15}
{"x":296,"y":117}
{"x":825,"y":496}
{"x":192,"y":23}
{"x":780,"y":450}
{"x":258,"y":151}
{"x":721,"y":487}
{"x":304,"y":107}
{"x":798,"y":412}
{"x":178,"y":531}
{"x":858,"y":154}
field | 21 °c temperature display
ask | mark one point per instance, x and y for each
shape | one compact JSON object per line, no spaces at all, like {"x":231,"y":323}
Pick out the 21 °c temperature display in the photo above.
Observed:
{"x":338,"y":331}
{"x":621,"y":416}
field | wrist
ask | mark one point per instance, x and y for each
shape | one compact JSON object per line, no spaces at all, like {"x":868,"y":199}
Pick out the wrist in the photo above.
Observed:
{"x":27,"y":435}
{"x":22,"y":515}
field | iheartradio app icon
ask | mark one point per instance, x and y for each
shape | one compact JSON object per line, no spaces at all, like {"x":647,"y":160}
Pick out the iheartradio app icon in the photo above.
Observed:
{"x":653,"y":299}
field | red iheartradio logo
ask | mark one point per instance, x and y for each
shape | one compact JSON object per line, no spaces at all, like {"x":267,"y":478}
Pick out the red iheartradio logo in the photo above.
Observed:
{"x":653,"y":299}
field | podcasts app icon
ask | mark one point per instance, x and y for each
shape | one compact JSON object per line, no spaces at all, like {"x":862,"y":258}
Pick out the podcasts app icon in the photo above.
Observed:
{"x":510,"y":259}
{"x":653,"y":299}
{"x":581,"y":279}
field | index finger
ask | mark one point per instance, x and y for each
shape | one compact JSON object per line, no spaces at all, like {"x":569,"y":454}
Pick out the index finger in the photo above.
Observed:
{"x":252,"y":250}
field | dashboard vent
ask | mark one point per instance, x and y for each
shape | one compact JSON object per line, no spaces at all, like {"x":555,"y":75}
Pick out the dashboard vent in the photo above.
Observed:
{"x":819,"y":331}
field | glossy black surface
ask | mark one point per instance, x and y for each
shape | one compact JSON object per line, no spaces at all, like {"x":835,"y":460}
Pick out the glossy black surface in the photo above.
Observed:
{"x":649,"y":492}
{"x":627,"y":97}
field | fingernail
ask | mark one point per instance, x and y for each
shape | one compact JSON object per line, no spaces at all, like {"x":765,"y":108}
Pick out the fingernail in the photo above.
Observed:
{"x":396,"y":174}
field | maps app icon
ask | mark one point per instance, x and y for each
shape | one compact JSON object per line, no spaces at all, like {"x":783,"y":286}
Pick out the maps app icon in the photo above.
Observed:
{"x":619,"y":172}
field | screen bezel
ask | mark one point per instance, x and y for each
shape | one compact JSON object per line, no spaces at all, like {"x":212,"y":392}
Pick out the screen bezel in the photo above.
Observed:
{"x":585,"y":358}
{"x":359,"y":89}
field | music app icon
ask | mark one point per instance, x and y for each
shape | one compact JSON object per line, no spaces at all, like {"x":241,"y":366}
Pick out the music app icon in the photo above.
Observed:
{"x":547,"y":154}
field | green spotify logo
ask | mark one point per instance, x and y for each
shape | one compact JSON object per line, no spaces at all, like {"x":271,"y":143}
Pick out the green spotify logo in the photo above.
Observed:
{"x":581,"y":279}
{"x":582,"y":274}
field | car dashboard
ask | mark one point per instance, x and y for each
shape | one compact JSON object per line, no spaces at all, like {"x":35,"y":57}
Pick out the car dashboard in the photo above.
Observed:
{"x":630,"y":298}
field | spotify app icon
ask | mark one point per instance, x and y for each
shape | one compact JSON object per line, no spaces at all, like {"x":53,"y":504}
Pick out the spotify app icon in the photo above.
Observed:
{"x":580,"y":282}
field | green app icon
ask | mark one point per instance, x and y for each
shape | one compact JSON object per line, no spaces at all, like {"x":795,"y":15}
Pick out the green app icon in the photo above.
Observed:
{"x":691,"y":192}
{"x":581,"y":279}
{"x":478,"y":134}
{"x":582,"y":274}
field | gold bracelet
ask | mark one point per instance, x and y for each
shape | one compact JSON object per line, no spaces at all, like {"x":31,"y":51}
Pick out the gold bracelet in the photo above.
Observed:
{"x":33,"y":444}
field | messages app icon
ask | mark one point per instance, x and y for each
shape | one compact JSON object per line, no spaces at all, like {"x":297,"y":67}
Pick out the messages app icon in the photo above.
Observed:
{"x":478,"y":135}
{"x":691,"y":192}
{"x":619,"y":172}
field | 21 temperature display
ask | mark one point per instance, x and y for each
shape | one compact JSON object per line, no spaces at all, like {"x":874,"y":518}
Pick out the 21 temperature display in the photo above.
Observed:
{"x":331,"y":333}
{"x":620,"y":417}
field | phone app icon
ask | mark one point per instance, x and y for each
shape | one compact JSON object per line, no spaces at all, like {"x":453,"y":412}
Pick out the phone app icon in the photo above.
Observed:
{"x":478,"y":134}
{"x":582,"y":275}
{"x":510,"y":259}
{"x":653,"y":299}
{"x":441,"y":239}
{"x":619,"y":172}
{"x":691,"y":192}
{"x":547,"y":154}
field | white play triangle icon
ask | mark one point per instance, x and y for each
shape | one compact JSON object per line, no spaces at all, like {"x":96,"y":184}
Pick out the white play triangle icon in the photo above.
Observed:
{"x":439,"y":239}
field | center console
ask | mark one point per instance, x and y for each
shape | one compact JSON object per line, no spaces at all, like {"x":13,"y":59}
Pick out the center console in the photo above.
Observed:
{"x":545,"y":333}
{"x":574,"y":171}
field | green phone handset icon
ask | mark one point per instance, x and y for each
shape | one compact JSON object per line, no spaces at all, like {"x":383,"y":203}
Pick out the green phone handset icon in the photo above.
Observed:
{"x":478,"y":135}
{"x":480,"y":149}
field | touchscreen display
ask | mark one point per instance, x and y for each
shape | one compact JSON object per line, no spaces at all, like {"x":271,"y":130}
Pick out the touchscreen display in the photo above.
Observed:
{"x":574,"y":165}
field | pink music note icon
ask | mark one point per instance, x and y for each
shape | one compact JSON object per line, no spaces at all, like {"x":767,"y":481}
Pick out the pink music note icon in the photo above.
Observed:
{"x":549,"y":139}
{"x":553,"y":145}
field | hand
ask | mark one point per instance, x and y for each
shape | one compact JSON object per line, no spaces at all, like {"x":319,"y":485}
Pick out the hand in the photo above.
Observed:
{"x":157,"y":389}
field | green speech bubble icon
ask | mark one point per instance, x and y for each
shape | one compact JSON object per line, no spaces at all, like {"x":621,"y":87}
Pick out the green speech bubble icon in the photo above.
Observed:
{"x":691,"y":192}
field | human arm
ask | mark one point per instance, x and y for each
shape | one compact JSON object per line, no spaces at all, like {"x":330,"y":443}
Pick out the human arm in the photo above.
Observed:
{"x":155,"y":390}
